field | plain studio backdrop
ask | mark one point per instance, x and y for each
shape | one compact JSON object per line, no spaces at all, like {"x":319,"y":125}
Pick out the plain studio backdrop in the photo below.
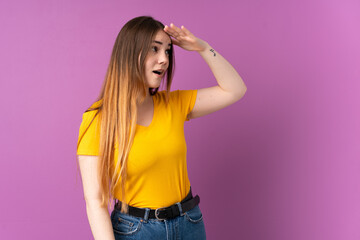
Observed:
{"x":280,"y":164}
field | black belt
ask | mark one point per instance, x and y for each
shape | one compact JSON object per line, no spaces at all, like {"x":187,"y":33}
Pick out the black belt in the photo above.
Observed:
{"x":188,"y":203}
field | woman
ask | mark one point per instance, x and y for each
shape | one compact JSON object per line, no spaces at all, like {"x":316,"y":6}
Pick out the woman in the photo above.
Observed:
{"x":131,"y":145}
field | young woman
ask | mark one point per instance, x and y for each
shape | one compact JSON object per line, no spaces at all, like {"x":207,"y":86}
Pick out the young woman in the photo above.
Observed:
{"x":131,"y":145}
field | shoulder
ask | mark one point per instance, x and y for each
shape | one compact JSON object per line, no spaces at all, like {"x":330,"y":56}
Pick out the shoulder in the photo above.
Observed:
{"x":177,"y":95}
{"x":94,"y":107}
{"x":91,"y":114}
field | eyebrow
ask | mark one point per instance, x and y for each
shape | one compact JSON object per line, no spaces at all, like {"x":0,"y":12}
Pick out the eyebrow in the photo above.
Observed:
{"x":161,"y":43}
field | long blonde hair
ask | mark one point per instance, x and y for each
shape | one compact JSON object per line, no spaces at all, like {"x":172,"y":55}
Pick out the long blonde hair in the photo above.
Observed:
{"x":123,"y":87}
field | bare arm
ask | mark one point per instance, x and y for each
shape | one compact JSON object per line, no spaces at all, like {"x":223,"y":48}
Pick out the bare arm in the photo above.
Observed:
{"x":227,"y":77}
{"x":230,"y":88}
{"x":98,"y":216}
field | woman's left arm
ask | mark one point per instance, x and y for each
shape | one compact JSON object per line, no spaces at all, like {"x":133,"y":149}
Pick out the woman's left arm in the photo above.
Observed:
{"x":230,"y":88}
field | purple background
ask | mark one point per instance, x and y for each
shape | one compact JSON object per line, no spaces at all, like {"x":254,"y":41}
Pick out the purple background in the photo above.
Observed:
{"x":282,"y":163}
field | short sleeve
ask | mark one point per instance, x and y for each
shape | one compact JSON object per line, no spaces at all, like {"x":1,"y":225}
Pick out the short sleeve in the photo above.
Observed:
{"x":187,"y":100}
{"x":89,"y":134}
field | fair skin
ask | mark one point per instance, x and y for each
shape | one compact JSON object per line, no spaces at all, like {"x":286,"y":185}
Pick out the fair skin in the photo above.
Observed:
{"x":230,"y":88}
{"x":156,"y":60}
{"x":98,"y":216}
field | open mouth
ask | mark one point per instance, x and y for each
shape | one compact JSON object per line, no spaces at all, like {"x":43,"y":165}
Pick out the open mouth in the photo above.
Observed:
{"x":158,"y":72}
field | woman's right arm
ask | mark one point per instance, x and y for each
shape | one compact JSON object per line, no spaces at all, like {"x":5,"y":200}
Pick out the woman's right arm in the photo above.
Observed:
{"x":98,"y":216}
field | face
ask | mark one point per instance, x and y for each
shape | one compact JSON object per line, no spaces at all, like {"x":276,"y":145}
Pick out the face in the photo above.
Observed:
{"x":157,"y":59}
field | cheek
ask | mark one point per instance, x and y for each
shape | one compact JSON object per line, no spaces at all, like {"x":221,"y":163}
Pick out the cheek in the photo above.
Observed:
{"x":148,"y":62}
{"x":147,"y":66}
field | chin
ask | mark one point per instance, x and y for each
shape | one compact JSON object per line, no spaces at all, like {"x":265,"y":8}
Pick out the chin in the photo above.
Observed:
{"x":155,"y":85}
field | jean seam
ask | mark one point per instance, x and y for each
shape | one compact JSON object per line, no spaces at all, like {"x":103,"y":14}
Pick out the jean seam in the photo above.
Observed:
{"x":193,"y":220}
{"x":131,"y":232}
{"x":127,"y":222}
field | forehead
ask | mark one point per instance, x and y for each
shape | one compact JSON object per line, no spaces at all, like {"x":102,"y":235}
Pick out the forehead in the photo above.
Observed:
{"x":162,"y":37}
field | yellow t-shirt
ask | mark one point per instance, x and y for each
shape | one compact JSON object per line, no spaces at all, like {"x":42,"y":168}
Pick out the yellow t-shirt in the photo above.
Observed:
{"x":156,"y":171}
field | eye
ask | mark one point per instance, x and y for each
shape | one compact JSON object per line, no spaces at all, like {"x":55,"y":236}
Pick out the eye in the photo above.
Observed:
{"x":168,"y":52}
{"x":154,"y":48}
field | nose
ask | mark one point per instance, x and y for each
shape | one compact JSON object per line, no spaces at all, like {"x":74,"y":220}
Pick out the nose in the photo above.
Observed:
{"x":163,"y":58}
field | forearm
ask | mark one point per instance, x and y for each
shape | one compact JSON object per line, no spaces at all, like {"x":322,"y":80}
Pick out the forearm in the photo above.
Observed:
{"x":226,"y":76}
{"x":99,"y":220}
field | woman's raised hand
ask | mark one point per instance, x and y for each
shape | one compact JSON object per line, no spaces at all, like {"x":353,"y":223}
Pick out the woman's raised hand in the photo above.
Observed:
{"x":185,"y":39}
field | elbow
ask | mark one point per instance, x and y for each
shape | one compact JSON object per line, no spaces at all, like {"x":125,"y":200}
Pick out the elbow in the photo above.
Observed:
{"x":241,"y":93}
{"x":244,"y":90}
{"x":93,"y":201}
{"x":94,"y":204}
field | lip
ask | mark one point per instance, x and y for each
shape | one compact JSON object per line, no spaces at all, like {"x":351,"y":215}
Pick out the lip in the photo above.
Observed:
{"x":159,"y":76}
{"x":162,"y":71}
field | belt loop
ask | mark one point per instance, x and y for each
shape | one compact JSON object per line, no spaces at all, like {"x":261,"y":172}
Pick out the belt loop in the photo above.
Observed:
{"x":180,"y":208}
{"x":146,"y":216}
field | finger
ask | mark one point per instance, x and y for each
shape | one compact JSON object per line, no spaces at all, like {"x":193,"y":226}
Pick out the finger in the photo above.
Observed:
{"x":168,"y":28}
{"x":186,"y":30}
{"x":174,"y":41}
{"x":171,"y":31}
{"x":177,"y":30}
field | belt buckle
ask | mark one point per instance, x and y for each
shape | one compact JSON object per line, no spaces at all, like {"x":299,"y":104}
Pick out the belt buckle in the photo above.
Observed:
{"x":157,"y":213}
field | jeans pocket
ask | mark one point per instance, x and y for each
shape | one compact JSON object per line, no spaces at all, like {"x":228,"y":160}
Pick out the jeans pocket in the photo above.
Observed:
{"x":124,"y":224}
{"x":194,"y":215}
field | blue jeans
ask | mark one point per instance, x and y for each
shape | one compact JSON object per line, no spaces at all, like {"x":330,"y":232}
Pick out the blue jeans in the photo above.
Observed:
{"x":188,"y":225}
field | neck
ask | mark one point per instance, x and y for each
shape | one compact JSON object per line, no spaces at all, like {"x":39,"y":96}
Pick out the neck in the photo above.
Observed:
{"x":147,"y":100}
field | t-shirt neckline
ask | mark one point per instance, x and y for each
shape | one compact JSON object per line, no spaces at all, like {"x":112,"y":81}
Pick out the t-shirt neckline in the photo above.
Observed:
{"x":154,"y":114}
